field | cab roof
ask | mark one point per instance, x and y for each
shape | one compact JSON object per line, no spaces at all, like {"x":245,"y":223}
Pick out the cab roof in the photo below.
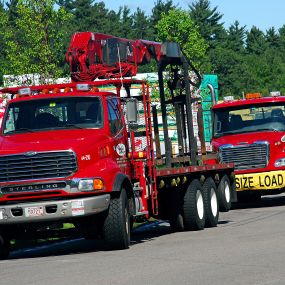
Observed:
{"x":249,"y":102}
{"x":69,"y":89}
{"x":63,"y":95}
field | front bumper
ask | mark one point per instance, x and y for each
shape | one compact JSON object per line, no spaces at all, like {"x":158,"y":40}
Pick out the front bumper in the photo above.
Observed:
{"x":53,"y":210}
{"x":272,"y":180}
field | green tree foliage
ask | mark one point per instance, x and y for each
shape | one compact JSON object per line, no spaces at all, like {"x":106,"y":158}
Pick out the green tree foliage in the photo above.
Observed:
{"x":35,"y":34}
{"x":160,"y":7}
{"x":126,"y":21}
{"x":256,"y":42}
{"x":140,"y":25}
{"x":235,"y":38}
{"x":208,"y":21}
{"x":272,"y":38}
{"x":33,"y":49}
{"x":177,"y":26}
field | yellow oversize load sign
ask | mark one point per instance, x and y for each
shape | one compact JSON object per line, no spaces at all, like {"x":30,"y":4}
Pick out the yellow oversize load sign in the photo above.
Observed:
{"x":260,"y":181}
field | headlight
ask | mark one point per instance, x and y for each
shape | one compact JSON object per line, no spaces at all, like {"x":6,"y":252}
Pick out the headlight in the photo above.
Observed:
{"x":90,"y":184}
{"x":280,"y":162}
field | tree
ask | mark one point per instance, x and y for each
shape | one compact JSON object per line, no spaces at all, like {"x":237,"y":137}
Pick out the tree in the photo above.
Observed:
{"x":236,"y":37}
{"x":141,"y":25}
{"x":281,"y":41}
{"x":255,"y":42}
{"x":3,"y":29}
{"x":82,"y":11}
{"x":12,"y":10}
{"x":35,"y":46}
{"x":208,"y":21}
{"x":126,"y":22}
{"x":160,"y":8}
{"x":272,"y":38}
{"x":177,"y":26}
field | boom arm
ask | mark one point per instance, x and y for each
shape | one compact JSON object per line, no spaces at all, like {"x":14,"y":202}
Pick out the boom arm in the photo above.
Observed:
{"x":94,"y":55}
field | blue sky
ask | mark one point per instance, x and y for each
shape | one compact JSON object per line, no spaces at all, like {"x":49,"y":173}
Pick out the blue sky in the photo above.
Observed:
{"x":260,"y":13}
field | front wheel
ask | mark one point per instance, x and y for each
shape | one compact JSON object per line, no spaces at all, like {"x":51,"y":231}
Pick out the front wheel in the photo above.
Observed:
{"x":116,"y":227}
{"x":193,"y":207}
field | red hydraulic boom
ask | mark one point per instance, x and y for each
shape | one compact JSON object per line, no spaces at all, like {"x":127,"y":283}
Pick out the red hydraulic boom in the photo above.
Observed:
{"x":94,"y":55}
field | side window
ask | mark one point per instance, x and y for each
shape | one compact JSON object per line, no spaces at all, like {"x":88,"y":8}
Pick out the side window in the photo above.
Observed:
{"x":115,"y":120}
{"x":10,"y":124}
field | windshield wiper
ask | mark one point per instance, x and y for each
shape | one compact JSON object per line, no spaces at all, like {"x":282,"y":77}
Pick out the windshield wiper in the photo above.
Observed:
{"x":270,"y":130}
{"x":226,"y":133}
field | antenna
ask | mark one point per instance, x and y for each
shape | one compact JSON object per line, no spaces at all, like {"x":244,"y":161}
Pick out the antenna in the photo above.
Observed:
{"x":120,"y":64}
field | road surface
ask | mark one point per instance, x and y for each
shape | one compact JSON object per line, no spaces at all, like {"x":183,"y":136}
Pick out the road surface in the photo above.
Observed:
{"x":247,"y":247}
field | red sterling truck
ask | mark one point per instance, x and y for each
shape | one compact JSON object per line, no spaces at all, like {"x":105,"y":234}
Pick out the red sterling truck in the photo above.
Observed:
{"x":251,"y":133}
{"x":75,"y":153}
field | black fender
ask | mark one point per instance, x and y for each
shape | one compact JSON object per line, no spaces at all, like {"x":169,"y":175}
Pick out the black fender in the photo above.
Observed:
{"x":123,"y":181}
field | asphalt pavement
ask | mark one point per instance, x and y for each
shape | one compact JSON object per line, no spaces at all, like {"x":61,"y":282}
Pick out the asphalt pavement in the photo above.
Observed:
{"x":247,"y":247}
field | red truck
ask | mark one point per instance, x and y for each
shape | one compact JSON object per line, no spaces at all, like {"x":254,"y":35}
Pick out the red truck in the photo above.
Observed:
{"x":74,"y":153}
{"x":250,"y":133}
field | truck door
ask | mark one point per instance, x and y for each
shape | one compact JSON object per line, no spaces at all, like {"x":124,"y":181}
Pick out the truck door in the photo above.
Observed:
{"x":118,"y":134}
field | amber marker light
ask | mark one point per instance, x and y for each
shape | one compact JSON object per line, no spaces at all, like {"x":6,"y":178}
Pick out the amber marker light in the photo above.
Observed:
{"x":98,"y":184}
{"x":94,"y":89}
{"x":45,"y":91}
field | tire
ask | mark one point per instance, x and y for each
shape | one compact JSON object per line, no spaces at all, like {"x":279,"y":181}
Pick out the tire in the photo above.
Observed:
{"x":116,"y":227}
{"x":224,"y":194}
{"x":211,"y":203}
{"x":193,"y":207}
{"x":4,"y":247}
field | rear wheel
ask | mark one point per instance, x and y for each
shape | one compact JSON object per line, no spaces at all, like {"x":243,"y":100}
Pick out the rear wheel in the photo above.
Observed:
{"x":211,"y":203}
{"x":224,"y":194}
{"x":116,"y":227}
{"x":193,"y":207}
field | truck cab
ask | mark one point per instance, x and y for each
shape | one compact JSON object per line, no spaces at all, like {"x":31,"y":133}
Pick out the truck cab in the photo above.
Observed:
{"x":63,"y":158}
{"x":251,"y":134}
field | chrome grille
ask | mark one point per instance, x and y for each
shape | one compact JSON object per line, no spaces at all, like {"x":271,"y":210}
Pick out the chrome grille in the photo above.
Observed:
{"x":37,"y":165}
{"x":250,"y":156}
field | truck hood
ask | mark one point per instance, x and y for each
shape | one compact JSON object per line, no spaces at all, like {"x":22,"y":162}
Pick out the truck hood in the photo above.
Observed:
{"x":248,"y":138}
{"x":77,"y":140}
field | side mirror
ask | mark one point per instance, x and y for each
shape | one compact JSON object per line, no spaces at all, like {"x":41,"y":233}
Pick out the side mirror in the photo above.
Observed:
{"x":132,"y":111}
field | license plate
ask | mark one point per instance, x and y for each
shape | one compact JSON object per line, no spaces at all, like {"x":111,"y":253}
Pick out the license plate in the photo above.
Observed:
{"x":34,"y":211}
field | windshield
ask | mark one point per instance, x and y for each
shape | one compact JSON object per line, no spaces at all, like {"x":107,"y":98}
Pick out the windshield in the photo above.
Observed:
{"x":249,"y":119}
{"x":59,"y":113}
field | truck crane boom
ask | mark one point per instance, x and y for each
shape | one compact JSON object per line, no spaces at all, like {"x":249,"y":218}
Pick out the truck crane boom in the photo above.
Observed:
{"x":95,"y":55}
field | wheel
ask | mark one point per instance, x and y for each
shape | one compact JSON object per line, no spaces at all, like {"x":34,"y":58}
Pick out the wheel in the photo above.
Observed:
{"x":224,"y":194}
{"x":211,"y":203}
{"x":4,"y":247}
{"x":193,"y":207}
{"x":116,"y":227}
